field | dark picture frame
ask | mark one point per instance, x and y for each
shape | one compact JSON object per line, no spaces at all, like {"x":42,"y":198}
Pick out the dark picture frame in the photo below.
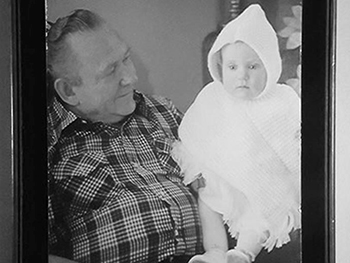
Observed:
{"x":29,"y":126}
{"x":29,"y":121}
{"x":318,"y":101}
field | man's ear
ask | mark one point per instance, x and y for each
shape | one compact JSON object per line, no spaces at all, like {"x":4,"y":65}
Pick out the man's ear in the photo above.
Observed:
{"x":66,"y":92}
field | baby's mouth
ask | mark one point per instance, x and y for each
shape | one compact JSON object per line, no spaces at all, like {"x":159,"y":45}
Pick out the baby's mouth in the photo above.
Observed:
{"x":242,"y":87}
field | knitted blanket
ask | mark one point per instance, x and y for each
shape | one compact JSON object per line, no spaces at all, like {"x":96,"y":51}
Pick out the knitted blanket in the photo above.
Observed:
{"x":248,"y":151}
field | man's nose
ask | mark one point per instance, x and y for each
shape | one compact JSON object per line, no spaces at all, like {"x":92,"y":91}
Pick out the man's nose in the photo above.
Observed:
{"x":128,"y":76}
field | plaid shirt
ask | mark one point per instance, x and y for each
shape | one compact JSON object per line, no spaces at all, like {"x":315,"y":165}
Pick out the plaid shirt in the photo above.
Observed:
{"x":115,"y":194}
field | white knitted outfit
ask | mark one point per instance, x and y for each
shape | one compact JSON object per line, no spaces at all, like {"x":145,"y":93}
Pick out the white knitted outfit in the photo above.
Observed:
{"x":248,"y":151}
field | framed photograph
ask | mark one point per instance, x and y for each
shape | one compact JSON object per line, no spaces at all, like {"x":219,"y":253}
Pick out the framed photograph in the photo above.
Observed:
{"x":171,"y":63}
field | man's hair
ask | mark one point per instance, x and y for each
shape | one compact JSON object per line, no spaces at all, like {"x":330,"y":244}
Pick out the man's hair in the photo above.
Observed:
{"x":59,"y":53}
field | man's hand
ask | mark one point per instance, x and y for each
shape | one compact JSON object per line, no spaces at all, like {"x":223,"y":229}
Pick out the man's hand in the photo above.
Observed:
{"x":55,"y":259}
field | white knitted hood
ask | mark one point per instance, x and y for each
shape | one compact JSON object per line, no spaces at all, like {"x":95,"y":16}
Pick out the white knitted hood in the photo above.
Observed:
{"x":252,"y":28}
{"x":251,"y":146}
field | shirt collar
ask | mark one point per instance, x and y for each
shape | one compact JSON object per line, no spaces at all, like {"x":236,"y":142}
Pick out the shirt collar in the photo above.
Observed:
{"x":58,"y":117}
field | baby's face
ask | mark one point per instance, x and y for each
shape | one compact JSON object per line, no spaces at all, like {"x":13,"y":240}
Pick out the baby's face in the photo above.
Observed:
{"x":243,"y":73}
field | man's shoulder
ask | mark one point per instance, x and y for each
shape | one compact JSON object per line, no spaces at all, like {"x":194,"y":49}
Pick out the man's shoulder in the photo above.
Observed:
{"x":153,"y":100}
{"x":161,"y":110}
{"x":158,"y":105}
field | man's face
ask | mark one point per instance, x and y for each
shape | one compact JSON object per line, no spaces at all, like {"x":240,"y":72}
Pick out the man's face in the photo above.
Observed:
{"x":243,"y":72}
{"x":107,"y":73}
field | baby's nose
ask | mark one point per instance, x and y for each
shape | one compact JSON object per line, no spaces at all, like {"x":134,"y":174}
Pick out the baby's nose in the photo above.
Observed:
{"x":243,"y":74}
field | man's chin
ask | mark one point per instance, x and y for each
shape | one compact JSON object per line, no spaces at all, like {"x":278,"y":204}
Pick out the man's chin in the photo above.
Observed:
{"x":130,"y":106}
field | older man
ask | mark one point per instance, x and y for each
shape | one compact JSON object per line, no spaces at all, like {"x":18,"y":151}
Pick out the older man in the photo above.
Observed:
{"x":115,"y":193}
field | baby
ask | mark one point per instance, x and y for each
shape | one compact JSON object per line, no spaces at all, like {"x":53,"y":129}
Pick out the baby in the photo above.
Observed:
{"x":242,"y":135}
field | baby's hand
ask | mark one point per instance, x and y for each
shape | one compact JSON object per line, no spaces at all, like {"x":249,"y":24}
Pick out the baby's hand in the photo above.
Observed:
{"x":199,"y":182}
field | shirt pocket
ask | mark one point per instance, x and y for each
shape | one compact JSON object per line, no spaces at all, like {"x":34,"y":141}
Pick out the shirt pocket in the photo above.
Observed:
{"x":85,"y":182}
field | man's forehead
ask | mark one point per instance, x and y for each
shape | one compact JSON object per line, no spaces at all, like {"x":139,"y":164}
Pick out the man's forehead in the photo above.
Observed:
{"x":94,"y":42}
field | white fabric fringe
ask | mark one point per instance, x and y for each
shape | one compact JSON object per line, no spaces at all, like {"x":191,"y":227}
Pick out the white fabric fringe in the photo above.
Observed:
{"x":248,"y":151}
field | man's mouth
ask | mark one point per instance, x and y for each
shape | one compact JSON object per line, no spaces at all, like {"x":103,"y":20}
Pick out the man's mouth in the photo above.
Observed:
{"x":127,"y":93}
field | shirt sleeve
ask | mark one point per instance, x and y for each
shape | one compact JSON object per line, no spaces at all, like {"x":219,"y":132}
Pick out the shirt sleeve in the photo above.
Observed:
{"x":51,"y":222}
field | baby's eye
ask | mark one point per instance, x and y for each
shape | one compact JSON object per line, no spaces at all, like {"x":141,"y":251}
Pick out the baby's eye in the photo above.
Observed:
{"x":254,"y":66}
{"x":232,"y":67}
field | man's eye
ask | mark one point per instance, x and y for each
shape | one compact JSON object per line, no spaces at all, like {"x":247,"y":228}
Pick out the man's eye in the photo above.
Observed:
{"x":126,"y":59}
{"x":113,"y":69}
{"x":232,"y":67}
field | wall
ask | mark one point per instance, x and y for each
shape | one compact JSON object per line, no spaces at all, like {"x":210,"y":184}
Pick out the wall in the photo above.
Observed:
{"x":165,"y":36}
{"x":342,"y":132}
{"x":6,"y":200}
